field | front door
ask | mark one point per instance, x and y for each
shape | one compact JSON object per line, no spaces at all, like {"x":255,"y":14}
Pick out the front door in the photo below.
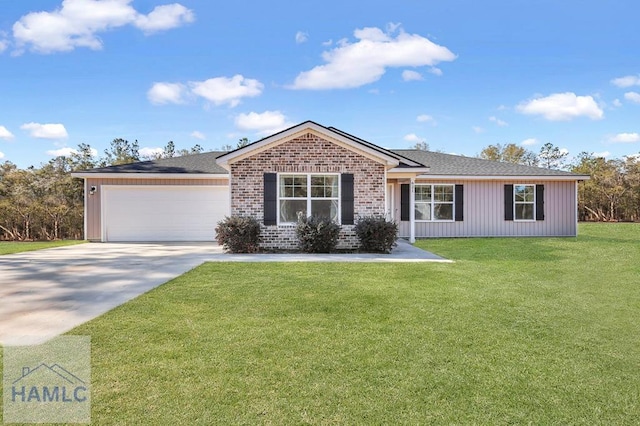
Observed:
{"x":390,"y":207}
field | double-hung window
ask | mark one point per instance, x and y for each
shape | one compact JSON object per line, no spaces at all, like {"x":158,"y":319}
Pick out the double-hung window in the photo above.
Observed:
{"x":434,"y":202}
{"x":524,"y":202}
{"x":308,"y":194}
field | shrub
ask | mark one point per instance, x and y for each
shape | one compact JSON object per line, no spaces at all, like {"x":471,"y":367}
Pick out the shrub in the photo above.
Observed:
{"x":317,"y":234}
{"x":238,"y":234}
{"x":376,"y":234}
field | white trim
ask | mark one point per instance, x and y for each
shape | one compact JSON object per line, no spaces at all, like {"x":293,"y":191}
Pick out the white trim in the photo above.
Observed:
{"x":408,"y":171}
{"x":505,"y":178}
{"x":308,"y":198}
{"x":433,"y":203}
{"x":336,"y":137}
{"x":86,"y":209}
{"x":535,"y":190}
{"x":412,"y":211}
{"x":577,"y":212}
{"x":149,"y":175}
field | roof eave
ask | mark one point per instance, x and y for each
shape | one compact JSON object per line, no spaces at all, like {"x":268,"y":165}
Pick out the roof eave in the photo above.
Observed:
{"x":225,"y":159}
{"x":409,"y":170}
{"x":507,"y":177}
{"x":115,"y":175}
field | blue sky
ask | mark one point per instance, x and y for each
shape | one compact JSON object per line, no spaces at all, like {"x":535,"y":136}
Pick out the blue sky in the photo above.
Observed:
{"x":459,"y":75}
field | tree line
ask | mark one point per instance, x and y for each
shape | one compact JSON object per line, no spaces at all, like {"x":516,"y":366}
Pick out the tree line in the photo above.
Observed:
{"x":46,"y":203}
{"x":611,"y":195}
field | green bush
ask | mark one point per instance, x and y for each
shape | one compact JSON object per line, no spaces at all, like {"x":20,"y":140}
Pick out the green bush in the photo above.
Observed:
{"x":317,"y":234}
{"x":376,"y":234}
{"x":238,"y":234}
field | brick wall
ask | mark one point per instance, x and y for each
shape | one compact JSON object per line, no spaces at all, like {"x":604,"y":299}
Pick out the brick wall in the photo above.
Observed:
{"x":306,"y":154}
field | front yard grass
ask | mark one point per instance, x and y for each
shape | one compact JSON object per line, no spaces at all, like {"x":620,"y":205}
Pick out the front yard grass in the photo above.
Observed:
{"x":10,"y":247}
{"x":516,"y":331}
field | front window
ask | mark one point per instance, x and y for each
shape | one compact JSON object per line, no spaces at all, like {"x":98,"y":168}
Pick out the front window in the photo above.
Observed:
{"x":311,"y":195}
{"x":524,"y":200}
{"x":434,"y":202}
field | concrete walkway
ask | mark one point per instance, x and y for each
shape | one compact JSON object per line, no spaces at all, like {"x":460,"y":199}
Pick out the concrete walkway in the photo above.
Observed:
{"x":48,"y":292}
{"x":404,"y":252}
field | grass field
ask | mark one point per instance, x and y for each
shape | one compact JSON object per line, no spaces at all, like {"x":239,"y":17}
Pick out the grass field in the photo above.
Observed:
{"x":10,"y":247}
{"x":516,"y":331}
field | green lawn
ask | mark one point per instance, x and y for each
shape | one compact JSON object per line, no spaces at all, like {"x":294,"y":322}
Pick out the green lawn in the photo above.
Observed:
{"x":516,"y":331}
{"x":10,"y":247}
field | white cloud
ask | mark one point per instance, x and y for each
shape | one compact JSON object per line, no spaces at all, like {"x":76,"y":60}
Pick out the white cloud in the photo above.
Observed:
{"x":164,"y":18}
{"x":45,"y":131}
{"x":223,"y":90}
{"x":301,"y":37}
{"x":62,"y":152}
{"x":410,"y":75}
{"x":625,"y":138}
{"x":617,"y":103}
{"x":632,"y":157}
{"x":5,"y":133}
{"x":351,"y":65}
{"x":1,"y":155}
{"x":426,"y":118}
{"x":412,"y":137}
{"x":529,"y":142}
{"x":148,"y":152}
{"x":264,"y":123}
{"x":198,"y":135}
{"x":77,"y":23}
{"x":219,"y":90}
{"x":164,"y":93}
{"x":603,"y":154}
{"x":626,"y":81}
{"x":478,"y":129}
{"x":435,"y":71}
{"x":633,"y":97}
{"x":562,"y":107}
{"x":68,"y":152}
{"x":498,"y":122}
{"x":327,"y":43}
{"x":4,"y":44}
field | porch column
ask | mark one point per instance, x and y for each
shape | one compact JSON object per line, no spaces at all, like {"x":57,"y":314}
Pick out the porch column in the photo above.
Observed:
{"x":412,"y":211}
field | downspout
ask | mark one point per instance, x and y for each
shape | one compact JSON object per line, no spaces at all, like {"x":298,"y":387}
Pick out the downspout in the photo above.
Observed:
{"x":412,"y":211}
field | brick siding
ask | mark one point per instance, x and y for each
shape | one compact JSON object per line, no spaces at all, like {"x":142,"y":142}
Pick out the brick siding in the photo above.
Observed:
{"x":305,"y":154}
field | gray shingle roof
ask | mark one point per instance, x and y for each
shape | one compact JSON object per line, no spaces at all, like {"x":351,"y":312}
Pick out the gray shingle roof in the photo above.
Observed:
{"x":204,"y":163}
{"x":456,"y":165}
{"x":439,"y":164}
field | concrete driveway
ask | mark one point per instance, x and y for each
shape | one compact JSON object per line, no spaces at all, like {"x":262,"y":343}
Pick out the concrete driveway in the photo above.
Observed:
{"x":47,"y":292}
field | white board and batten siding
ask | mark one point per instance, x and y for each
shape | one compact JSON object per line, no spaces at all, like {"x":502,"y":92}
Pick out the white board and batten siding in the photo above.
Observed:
{"x":484,"y":212}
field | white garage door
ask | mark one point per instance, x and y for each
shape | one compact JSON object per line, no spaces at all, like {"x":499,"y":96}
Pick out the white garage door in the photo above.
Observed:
{"x":162,"y":213}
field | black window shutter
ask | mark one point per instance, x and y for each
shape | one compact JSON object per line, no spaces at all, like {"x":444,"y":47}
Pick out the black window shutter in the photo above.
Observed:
{"x":405,"y":201}
{"x":508,"y":202}
{"x":539,"y":202}
{"x":346,"y":189}
{"x":459,"y":200}
{"x":270,"y":198}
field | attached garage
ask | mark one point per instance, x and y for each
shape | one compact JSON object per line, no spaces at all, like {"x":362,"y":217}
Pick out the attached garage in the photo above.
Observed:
{"x":162,"y":212}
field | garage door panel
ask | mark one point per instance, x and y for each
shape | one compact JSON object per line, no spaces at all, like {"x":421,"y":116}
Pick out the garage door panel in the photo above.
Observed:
{"x":162,"y":213}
